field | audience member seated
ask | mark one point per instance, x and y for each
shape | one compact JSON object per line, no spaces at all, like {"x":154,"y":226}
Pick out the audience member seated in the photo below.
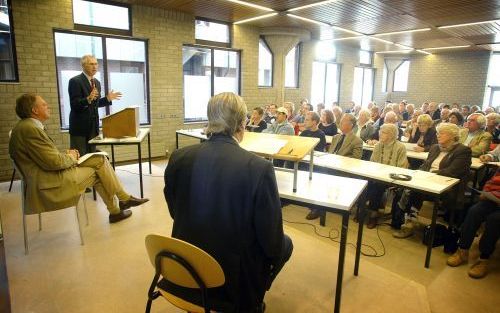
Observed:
{"x":303,"y":109}
{"x":487,"y":210}
{"x":387,"y":151}
{"x":403,"y":114}
{"x":474,"y":109}
{"x":489,"y":110}
{"x":493,"y":126}
{"x":457,"y":119}
{"x":477,"y":138}
{"x":328,"y":125}
{"x":319,"y":108}
{"x":364,"y":129}
{"x":311,"y":124}
{"x":225,"y":200}
{"x":376,"y":119}
{"x":447,"y":158}
{"x":492,"y":156}
{"x":425,"y":107}
{"x":425,"y":136}
{"x":410,"y":108}
{"x":434,"y":111}
{"x":412,"y":126}
{"x":271,"y":115}
{"x":346,"y":144}
{"x":55,"y":179}
{"x":392,"y":118}
{"x":256,"y":123}
{"x":337,"y":112}
{"x":281,"y":126}
{"x":355,"y":110}
{"x":445,"y":114}
{"x":290,"y":106}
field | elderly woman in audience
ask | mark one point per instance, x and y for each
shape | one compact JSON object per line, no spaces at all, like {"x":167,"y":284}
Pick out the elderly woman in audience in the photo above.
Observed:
{"x":364,"y":129}
{"x":492,"y":126}
{"x":410,"y":108}
{"x":458,"y":119}
{"x":425,"y":136}
{"x":328,"y":125}
{"x":447,"y":158}
{"x":256,"y":122}
{"x":477,"y":138}
{"x":390,"y":118}
{"x":337,"y":112}
{"x":291,"y":108}
{"x":489,"y":110}
{"x":412,"y":126}
{"x":387,"y":151}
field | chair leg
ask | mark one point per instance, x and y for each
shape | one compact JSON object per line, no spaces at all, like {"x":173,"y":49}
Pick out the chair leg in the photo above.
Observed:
{"x":85,"y":209}
{"x":78,"y":222}
{"x":12,"y":179}
{"x":148,"y":305}
{"x":39,"y":221}
{"x":26,"y":248}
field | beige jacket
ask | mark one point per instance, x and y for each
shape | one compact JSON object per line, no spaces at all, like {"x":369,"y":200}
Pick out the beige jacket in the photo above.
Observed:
{"x":351,"y":147}
{"x":480,"y":144}
{"x":50,"y":175}
{"x":390,"y":154}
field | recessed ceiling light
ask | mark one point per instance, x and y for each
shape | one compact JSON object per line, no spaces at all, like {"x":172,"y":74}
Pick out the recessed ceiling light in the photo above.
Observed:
{"x":311,"y":5}
{"x":309,"y":20}
{"x":381,"y":40}
{"x":449,"y":47}
{"x":395,"y":51}
{"x":468,"y":24}
{"x":403,"y":32}
{"x":422,"y":51}
{"x":248,"y":4}
{"x":348,"y":38}
{"x":255,"y":18}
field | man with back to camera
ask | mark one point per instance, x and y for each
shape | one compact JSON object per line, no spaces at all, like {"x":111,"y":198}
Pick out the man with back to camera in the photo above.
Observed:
{"x":85,"y":100}
{"x":224,"y":200}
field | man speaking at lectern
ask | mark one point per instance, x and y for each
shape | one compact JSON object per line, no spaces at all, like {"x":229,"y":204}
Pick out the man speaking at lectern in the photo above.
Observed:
{"x":85,"y":100}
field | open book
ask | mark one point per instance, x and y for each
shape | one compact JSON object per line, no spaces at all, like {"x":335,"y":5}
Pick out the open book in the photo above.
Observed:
{"x":87,"y":156}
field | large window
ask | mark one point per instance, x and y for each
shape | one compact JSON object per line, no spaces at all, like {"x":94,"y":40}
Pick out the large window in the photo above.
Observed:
{"x":292,"y":61}
{"x":325,"y":83}
{"x":265,"y":64}
{"x":401,"y":76}
{"x":123,"y":67}
{"x":365,"y":57}
{"x":213,"y":33}
{"x":207,"y":72}
{"x":492,"y":94}
{"x":8,"y":61}
{"x":95,"y":15}
{"x":362,"y":91}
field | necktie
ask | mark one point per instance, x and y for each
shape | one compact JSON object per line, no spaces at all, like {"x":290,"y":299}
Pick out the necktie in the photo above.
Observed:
{"x":92,"y":84}
{"x":339,"y":144}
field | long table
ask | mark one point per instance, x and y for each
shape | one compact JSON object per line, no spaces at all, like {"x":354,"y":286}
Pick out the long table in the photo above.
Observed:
{"x":328,"y":193}
{"x":422,"y":181}
{"x":280,"y":147}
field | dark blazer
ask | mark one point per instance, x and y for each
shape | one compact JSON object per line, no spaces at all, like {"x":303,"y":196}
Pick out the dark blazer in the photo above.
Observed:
{"x":455,"y":164}
{"x":430,"y":138}
{"x":83,"y":116}
{"x":225,"y":200}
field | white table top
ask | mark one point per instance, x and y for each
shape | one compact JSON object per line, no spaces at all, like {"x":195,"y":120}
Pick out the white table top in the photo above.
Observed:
{"x":196,"y":133}
{"x":421,"y":180}
{"x":326,"y":190}
{"x":140,"y":137}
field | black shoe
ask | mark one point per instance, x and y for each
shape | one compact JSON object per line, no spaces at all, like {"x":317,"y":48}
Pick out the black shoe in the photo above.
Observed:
{"x":133,"y":201}
{"x":87,"y":190}
{"x":114,"y":218}
{"x":261,"y":307}
{"x":313,"y":214}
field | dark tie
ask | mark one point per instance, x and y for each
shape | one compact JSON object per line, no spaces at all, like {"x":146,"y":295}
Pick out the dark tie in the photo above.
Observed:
{"x":339,"y":144}
{"x":92,"y":84}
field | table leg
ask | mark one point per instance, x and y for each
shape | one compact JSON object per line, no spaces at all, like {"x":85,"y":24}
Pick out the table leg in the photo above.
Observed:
{"x":361,"y":220}
{"x":149,"y":154}
{"x":433,"y":231}
{"x":140,"y":168}
{"x":113,"y":155}
{"x":340,"y":271}
{"x":295,"y":172}
{"x":311,"y":165}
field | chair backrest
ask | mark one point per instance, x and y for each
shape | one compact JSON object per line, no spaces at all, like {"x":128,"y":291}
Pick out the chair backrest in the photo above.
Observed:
{"x":207,"y":268}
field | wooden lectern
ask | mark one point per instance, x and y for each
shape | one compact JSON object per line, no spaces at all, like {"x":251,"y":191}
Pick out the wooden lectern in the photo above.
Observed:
{"x":124,"y":123}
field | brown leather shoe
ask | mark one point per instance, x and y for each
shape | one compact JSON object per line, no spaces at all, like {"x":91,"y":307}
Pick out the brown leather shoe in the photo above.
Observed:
{"x":114,"y":218}
{"x":133,"y":201}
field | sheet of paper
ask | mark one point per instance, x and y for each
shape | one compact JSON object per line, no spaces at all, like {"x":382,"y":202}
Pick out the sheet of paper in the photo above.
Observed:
{"x":268,"y":146}
{"x":87,"y":156}
{"x":409,"y":146}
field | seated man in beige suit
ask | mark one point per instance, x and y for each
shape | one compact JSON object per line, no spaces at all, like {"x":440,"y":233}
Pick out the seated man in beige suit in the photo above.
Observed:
{"x":345,"y":144}
{"x":55,"y":180}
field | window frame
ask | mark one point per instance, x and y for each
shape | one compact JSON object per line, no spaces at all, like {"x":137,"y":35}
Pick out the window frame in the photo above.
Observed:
{"x":209,"y":43}
{"x":101,"y":29}
{"x":339,"y":76}
{"x":13,"y":46}
{"x":374,"y":75}
{"x":104,"y":67}
{"x":394,"y":75}
{"x":261,"y":38}
{"x":298,"y":53}
{"x":212,"y":76}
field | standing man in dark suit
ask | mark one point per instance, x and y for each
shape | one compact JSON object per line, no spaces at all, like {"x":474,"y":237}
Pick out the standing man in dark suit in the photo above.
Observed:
{"x":224,"y":200}
{"x":85,"y":100}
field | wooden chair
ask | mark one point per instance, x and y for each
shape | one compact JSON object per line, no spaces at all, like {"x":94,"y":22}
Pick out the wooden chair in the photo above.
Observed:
{"x":184,"y":265}
{"x":24,"y":209}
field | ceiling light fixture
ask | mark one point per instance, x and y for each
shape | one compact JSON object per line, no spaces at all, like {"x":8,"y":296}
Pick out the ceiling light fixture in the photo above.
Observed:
{"x":449,"y":47}
{"x":248,"y":4}
{"x":395,"y":51}
{"x":348,"y":31}
{"x":255,"y":18}
{"x":309,"y":20}
{"x":403,"y":46}
{"x":424,"y":52}
{"x":311,"y":5}
{"x":382,"y":40}
{"x":348,"y":38}
{"x":468,"y":24}
{"x":403,"y":32}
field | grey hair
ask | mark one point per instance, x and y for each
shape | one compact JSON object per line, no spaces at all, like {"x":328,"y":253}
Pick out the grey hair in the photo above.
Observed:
{"x":390,"y":129}
{"x":481,"y":120}
{"x":449,"y":128}
{"x":84,"y":60}
{"x":494,"y":115}
{"x":391,"y":115}
{"x":410,"y":105}
{"x":351,"y":118}
{"x":226,"y":113}
{"x":366,"y":113}
{"x":425,"y":118}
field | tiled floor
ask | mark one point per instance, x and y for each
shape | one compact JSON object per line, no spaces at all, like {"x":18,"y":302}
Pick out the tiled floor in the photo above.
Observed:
{"x":111,"y":272}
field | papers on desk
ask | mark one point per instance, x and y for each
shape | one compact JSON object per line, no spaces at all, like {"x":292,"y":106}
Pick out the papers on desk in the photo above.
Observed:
{"x":409,"y":146}
{"x":87,"y":156}
{"x":268,"y":146}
